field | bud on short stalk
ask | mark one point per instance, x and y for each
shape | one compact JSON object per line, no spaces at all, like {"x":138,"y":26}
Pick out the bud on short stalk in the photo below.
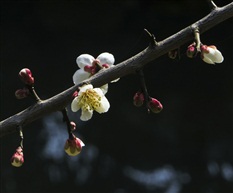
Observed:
{"x":154,"y":105}
{"x":17,"y":159}
{"x":26,"y":76}
{"x":73,"y":146}
{"x":138,"y":99}
{"x":22,"y":93}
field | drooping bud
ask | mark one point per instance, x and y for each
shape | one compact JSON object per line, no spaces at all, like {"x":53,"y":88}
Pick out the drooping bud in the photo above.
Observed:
{"x":138,"y":99}
{"x":211,"y":55}
{"x":26,"y":76}
{"x":192,"y":50}
{"x":22,"y":93}
{"x":173,"y":54}
{"x":73,"y":146}
{"x":17,"y":159}
{"x":155,"y":106}
{"x":72,"y":126}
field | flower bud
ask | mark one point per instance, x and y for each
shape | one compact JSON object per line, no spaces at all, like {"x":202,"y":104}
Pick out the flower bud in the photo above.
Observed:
{"x":17,"y":159}
{"x":192,"y":50}
{"x":154,"y":105}
{"x":211,"y":55}
{"x":22,"y":93}
{"x":75,"y":94}
{"x":172,"y":54}
{"x":73,"y":146}
{"x":72,"y":126}
{"x":138,"y":99}
{"x":26,"y":76}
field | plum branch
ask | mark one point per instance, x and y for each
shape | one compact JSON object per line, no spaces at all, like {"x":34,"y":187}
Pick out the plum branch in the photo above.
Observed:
{"x":131,"y":65}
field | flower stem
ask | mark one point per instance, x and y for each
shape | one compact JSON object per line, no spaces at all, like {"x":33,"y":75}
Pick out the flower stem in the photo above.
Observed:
{"x":20,"y":136}
{"x":33,"y":93}
{"x":212,"y":4}
{"x":197,"y":39}
{"x":144,"y":88}
{"x":67,"y":120}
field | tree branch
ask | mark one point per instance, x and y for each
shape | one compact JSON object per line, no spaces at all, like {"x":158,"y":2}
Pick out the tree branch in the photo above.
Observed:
{"x":61,"y":100}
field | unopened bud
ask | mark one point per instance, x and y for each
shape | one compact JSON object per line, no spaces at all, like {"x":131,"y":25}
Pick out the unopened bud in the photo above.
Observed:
{"x":22,"y":93}
{"x":73,"y":146}
{"x":154,"y":105}
{"x":75,"y":94}
{"x":26,"y":76}
{"x":17,"y":159}
{"x":72,"y":126}
{"x":192,"y":50}
{"x":172,"y":54}
{"x":138,"y":99}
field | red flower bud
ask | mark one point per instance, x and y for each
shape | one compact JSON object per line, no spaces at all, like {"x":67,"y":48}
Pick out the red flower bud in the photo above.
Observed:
{"x":73,"y":146}
{"x":72,"y":126}
{"x":154,"y":105}
{"x":138,"y":99}
{"x":17,"y":159}
{"x":22,"y":93}
{"x":26,"y":76}
{"x":192,"y":50}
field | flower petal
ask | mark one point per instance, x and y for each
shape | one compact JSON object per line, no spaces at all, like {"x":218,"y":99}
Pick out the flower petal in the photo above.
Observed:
{"x":86,"y":115}
{"x":104,"y":105}
{"x":104,"y":88}
{"x":207,"y":60}
{"x":84,"y":59}
{"x":84,"y":88}
{"x":80,"y":75}
{"x":218,"y":56}
{"x":106,"y":58}
{"x":74,"y":105}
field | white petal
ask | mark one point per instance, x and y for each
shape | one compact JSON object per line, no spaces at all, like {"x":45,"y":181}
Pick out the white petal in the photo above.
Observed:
{"x":115,"y":80}
{"x":86,"y":115}
{"x":106,"y":58}
{"x":84,"y":59}
{"x":99,"y":91}
{"x":74,"y":105}
{"x":104,"y":88}
{"x":104,"y":105}
{"x":207,"y":60}
{"x":218,"y":57}
{"x":80,"y":75}
{"x":85,"y":87}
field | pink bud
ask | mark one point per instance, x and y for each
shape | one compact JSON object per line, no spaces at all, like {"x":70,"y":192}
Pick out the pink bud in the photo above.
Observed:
{"x":73,"y":146}
{"x":138,"y":99}
{"x":22,"y":93}
{"x":154,"y":105}
{"x":192,"y":50}
{"x":72,"y":125}
{"x":75,"y":94}
{"x":17,"y":159}
{"x":26,"y":76}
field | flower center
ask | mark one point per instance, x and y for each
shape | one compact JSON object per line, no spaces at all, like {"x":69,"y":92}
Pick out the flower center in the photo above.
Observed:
{"x":89,"y":100}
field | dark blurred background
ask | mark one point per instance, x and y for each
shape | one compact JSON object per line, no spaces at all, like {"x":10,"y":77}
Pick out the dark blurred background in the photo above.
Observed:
{"x":187,"y":148}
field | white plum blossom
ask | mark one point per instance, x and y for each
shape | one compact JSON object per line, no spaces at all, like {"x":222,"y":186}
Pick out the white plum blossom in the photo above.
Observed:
{"x":89,"y":66}
{"x":90,"y":99}
{"x":211,"y":55}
